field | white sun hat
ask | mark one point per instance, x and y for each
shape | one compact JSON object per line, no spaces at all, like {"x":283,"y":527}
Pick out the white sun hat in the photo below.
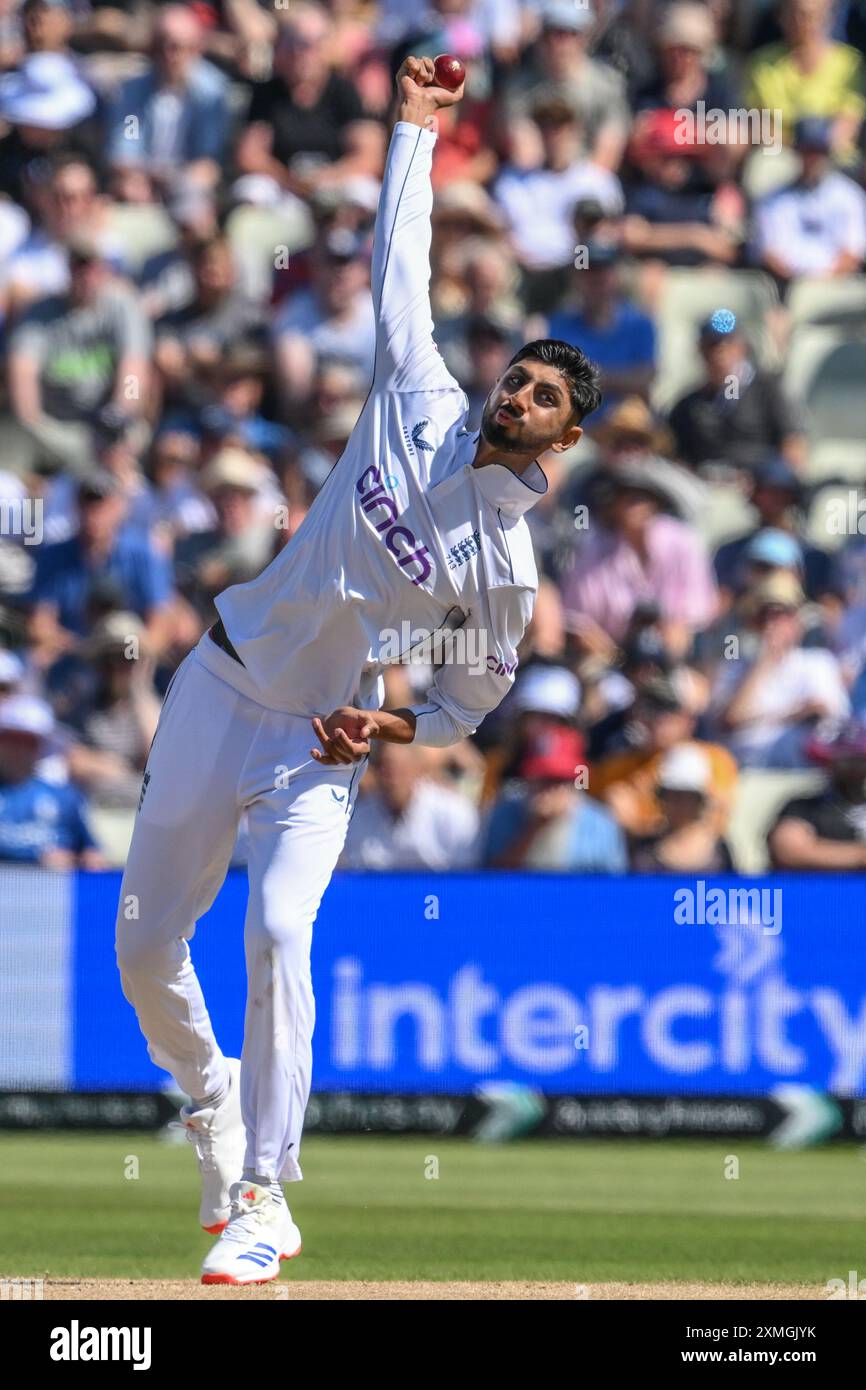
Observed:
{"x":46,"y":92}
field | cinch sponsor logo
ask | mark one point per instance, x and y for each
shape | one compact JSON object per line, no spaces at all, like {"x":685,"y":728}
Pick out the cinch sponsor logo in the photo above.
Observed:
{"x":77,"y":1343}
{"x":501,"y":668}
{"x":381,"y":509}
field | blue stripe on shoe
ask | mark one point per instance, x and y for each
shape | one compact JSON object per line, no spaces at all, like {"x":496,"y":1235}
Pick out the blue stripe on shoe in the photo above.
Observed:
{"x":261,"y":1260}
{"x":261,"y":1246}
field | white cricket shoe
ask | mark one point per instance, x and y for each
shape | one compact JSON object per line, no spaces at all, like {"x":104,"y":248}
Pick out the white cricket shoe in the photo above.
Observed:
{"x":217,"y":1134}
{"x":260,"y":1233}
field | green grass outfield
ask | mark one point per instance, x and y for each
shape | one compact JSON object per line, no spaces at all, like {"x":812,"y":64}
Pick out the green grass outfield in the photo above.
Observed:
{"x":538,"y":1210}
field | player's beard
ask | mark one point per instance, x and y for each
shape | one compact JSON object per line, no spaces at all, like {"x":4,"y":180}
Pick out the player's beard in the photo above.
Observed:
{"x":498,"y":435}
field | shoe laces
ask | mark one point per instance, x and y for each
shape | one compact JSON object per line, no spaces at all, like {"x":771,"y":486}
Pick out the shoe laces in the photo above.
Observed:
{"x":247,"y":1218}
{"x":202,"y":1142}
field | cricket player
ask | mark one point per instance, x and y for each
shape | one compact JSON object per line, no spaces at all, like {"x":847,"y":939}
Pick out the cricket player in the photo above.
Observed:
{"x":420,"y":520}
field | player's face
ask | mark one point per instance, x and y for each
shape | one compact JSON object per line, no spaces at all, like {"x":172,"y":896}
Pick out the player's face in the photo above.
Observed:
{"x":529,"y":410}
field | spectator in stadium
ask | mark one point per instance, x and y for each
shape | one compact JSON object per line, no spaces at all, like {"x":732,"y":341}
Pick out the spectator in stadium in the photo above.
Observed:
{"x":242,"y":540}
{"x":776,"y":494}
{"x":561,"y":68}
{"x":827,"y":830}
{"x":563,"y":177}
{"x":102,"y":552}
{"x":662,"y":719}
{"x":767,"y":705}
{"x":176,"y":505}
{"x":488,"y":284}
{"x":407,"y":820}
{"x":543,"y":820}
{"x":618,"y":690}
{"x":739,"y":413}
{"x":113,"y":727}
{"x":190,"y":341}
{"x":809,"y":74}
{"x":40,"y":822}
{"x":545,"y":696}
{"x":638,"y":552}
{"x":45,"y":104}
{"x":173,"y":119}
{"x":166,"y":279}
{"x":687,"y":841}
{"x":686,"y":41}
{"x":816,"y":225}
{"x":609,"y":327}
{"x":67,"y":203}
{"x":306,"y":128}
{"x":682,"y":206}
{"x":79,"y":367}
{"x":332,"y":319}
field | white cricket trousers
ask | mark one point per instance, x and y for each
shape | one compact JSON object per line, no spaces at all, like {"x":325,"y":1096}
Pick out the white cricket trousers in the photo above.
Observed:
{"x":215,"y":754}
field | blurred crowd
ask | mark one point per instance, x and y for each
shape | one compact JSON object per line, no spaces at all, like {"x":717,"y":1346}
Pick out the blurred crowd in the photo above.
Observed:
{"x":187,"y":196}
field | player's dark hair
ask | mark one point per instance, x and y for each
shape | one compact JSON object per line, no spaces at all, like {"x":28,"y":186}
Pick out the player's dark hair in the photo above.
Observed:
{"x":581,"y":374}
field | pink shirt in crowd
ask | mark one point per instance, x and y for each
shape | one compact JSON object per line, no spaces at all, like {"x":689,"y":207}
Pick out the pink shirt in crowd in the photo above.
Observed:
{"x":608,"y":579}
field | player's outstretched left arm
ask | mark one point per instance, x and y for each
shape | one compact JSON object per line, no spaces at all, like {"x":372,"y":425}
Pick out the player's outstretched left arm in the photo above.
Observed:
{"x":406,"y":357}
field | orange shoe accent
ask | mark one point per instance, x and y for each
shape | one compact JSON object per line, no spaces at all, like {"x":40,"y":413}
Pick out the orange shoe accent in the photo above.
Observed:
{"x":249,"y":1196}
{"x":215,"y":1230}
{"x":230,"y":1279}
{"x":293,"y":1254}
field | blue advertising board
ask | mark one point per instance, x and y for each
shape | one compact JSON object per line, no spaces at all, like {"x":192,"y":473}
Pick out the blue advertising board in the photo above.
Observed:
{"x":438,"y":983}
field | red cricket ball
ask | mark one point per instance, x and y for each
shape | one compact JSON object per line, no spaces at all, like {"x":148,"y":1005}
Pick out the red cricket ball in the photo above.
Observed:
{"x":448,"y":72}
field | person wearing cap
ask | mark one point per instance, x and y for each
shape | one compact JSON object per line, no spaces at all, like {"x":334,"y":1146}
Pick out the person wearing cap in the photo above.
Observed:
{"x":767,"y":704}
{"x":817,"y":224}
{"x":563,"y":176}
{"x":713,"y":425}
{"x":277,"y":708}
{"x":610,"y":326}
{"x":683,"y":207}
{"x":306,"y":128}
{"x":826,"y":831}
{"x":408,"y":820}
{"x":46,"y":106}
{"x":544,"y":820}
{"x":662,"y":718}
{"x":73,"y":356}
{"x":103,"y":550}
{"x":179,"y":107}
{"x":545,"y":696}
{"x":242,"y":539}
{"x":776,"y":539}
{"x":561,"y":68}
{"x":809,"y":73}
{"x":333,"y":318}
{"x":40,"y":822}
{"x":686,"y":40}
{"x":687,"y":841}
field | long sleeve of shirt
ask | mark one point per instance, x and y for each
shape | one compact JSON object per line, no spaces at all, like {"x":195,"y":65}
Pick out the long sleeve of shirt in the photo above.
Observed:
{"x":407,"y":358}
{"x":466,"y":690}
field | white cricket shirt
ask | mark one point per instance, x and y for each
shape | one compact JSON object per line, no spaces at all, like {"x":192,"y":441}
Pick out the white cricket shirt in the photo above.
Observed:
{"x":405,"y":535}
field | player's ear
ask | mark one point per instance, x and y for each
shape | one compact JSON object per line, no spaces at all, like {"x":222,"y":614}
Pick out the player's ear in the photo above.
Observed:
{"x":568,"y":440}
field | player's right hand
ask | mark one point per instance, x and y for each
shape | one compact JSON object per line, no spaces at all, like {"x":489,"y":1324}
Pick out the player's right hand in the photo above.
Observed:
{"x":344,"y":735}
{"x":416,"y":85}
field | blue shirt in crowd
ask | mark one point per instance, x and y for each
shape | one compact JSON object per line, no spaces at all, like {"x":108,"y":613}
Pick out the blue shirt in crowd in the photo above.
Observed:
{"x":141,"y":574}
{"x":36,"y":816}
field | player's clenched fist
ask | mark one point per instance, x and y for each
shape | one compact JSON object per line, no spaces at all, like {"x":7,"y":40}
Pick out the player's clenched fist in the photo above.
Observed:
{"x":344,"y":735}
{"x":420,"y":97}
